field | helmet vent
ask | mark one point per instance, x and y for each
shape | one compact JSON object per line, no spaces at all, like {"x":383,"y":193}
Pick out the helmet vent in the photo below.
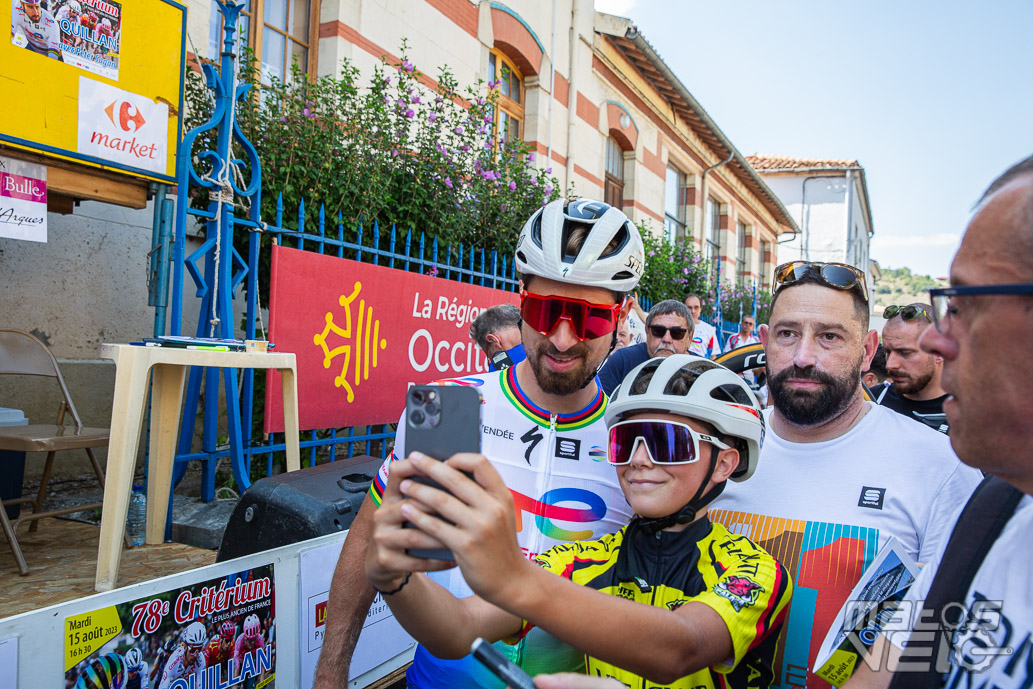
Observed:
{"x":731,"y":393}
{"x":617,"y":244}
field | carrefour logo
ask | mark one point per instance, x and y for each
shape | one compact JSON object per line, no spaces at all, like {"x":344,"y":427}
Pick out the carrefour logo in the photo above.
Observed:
{"x":561,"y":504}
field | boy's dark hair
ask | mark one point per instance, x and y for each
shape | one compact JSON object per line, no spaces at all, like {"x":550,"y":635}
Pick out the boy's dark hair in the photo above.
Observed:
{"x":878,"y":365}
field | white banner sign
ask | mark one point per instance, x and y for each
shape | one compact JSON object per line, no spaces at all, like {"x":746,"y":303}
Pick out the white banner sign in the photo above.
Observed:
{"x":9,"y":662}
{"x":23,"y":200}
{"x":122,"y":127}
{"x":382,"y":637}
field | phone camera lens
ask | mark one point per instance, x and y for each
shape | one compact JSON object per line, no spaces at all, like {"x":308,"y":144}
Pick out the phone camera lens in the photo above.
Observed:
{"x":432,"y":408}
{"x":417,"y":396}
{"x":417,"y":417}
{"x":431,"y":395}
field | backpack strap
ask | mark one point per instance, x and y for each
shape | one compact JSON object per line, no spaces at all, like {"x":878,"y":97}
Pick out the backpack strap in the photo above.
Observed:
{"x":989,"y":508}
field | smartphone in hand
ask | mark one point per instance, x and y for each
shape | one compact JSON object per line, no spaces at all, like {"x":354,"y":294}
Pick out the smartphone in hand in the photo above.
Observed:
{"x":441,"y":420}
{"x":503,"y":668}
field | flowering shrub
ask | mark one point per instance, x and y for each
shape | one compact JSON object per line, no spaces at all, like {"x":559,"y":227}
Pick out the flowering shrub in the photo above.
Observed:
{"x":673,"y":271}
{"x":396,"y":151}
{"x":736,"y":301}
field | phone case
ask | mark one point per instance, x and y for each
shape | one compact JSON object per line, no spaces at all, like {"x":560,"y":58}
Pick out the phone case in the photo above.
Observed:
{"x":458,"y":429}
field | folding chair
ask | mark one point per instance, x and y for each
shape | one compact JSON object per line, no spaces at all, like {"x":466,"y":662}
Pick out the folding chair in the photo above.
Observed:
{"x":23,"y":354}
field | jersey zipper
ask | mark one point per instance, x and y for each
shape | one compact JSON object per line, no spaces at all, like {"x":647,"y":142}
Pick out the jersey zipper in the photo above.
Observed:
{"x":545,"y":477}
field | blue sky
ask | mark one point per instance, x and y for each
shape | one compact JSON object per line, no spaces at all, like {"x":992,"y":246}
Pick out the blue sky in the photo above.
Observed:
{"x":934,"y":99}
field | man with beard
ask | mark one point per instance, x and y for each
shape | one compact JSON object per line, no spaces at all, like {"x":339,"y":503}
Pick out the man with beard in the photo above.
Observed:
{"x":542,"y":428}
{"x":913,"y":388}
{"x":838,"y":475}
{"x":668,"y":331}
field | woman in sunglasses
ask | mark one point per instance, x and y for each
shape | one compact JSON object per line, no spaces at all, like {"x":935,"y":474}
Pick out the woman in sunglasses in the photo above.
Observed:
{"x":671,"y":598}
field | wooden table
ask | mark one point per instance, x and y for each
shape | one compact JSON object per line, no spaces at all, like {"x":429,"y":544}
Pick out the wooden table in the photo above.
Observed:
{"x":133,"y":364}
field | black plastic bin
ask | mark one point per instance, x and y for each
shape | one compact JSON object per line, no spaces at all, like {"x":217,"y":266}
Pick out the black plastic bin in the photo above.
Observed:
{"x":12,"y":464}
{"x":297,"y":506}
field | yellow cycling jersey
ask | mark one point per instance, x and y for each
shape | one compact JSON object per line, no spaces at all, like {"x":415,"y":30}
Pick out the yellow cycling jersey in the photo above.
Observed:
{"x":703,"y":563}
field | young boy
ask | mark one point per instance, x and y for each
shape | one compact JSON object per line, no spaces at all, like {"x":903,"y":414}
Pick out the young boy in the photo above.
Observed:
{"x":714,"y":602}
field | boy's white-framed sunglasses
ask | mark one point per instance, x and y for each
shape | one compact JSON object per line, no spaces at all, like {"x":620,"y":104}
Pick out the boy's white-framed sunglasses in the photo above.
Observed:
{"x":667,"y":442}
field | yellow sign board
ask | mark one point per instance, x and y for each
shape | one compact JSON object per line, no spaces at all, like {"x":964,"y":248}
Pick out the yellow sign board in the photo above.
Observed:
{"x":98,"y":82}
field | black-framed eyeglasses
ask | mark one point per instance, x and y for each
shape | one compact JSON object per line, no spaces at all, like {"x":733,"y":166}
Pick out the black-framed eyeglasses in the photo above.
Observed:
{"x":835,"y":275}
{"x":907,"y":313}
{"x":940,"y":298}
{"x":677,"y":332}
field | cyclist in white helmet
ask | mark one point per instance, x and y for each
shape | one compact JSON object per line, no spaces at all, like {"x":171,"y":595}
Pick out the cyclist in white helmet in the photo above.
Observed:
{"x":137,"y":676}
{"x":35,"y":28}
{"x":188,"y":659}
{"x":69,"y":11}
{"x":679,"y":428}
{"x":542,"y":427}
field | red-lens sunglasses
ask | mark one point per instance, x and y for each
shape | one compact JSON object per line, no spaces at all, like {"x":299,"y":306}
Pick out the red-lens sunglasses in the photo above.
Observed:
{"x":588,"y":320}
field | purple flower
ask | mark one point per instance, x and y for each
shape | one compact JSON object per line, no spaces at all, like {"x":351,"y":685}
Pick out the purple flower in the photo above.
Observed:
{"x":459,"y":131}
{"x":432,"y":116}
{"x":482,"y":130}
{"x":415,"y":99}
{"x":685,"y":270}
{"x":512,"y":186}
{"x":433,"y":272}
{"x":487,"y":118}
{"x":548,"y":189}
{"x":306,"y":112}
{"x":406,"y":65}
{"x":448,"y":182}
{"x":409,"y":113}
{"x":464,"y":148}
{"x":387,"y":80}
{"x":530,"y":157}
{"x":652,"y":253}
{"x":503,"y":207}
{"x":394,"y":153}
{"x":534,"y":182}
{"x":283,"y":119}
{"x":491,"y":83}
{"x":487,"y":143}
{"x":480,"y":101}
{"x":696,"y":258}
{"x":548,"y":170}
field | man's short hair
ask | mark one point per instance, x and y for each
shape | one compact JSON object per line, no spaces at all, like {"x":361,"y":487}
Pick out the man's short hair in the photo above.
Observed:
{"x":860,"y":299}
{"x":691,"y":296}
{"x":878,"y":365}
{"x":493,"y":320}
{"x":669,"y":306}
{"x":1023,"y":239}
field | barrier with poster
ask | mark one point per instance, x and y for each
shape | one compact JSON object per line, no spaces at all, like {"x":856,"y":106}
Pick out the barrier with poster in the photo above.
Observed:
{"x":283,"y":591}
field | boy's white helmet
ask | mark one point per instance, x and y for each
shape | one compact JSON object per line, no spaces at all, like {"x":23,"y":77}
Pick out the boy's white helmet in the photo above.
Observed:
{"x":706,"y":391}
{"x":540,"y":248}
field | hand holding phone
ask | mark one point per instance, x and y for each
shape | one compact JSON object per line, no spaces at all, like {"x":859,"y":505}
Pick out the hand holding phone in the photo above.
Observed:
{"x":440,"y":421}
{"x":502,"y":667}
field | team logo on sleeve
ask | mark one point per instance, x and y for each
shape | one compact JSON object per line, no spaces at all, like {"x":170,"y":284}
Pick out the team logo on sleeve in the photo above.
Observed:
{"x":741,"y":592}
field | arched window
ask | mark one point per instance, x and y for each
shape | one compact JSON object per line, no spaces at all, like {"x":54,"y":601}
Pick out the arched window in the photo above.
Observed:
{"x":509,"y":118}
{"x":613,"y":193}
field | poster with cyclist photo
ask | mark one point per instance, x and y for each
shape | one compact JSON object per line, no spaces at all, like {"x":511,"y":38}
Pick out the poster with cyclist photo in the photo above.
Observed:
{"x":217,"y":633}
{"x":83,"y":33}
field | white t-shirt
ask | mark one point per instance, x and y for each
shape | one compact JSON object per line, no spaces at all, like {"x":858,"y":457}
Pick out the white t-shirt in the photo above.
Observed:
{"x":704,"y":340}
{"x":739,"y":340}
{"x":997,"y":651}
{"x":824,"y":509}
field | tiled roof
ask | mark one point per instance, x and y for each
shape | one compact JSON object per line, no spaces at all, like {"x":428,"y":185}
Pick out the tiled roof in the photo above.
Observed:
{"x":767,"y":162}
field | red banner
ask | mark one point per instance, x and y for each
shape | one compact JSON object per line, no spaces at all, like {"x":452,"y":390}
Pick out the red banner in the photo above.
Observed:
{"x":363,"y":334}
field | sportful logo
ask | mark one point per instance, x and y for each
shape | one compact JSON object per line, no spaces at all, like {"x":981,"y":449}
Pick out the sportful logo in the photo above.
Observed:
{"x":362,"y":343}
{"x":568,"y":448}
{"x":872,"y":497}
{"x":551,"y":506}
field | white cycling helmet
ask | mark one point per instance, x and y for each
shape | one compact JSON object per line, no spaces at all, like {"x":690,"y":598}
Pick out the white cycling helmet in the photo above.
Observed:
{"x":74,"y":7}
{"x":194,"y":634}
{"x":540,"y":248}
{"x":134,"y":659}
{"x":699,"y":389}
{"x":252,"y":627}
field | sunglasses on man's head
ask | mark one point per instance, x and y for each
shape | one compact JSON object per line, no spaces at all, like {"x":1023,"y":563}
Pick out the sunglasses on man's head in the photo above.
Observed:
{"x":588,"y":320}
{"x":907,"y":313}
{"x":835,"y":275}
{"x":667,"y":442}
{"x":677,"y":332}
